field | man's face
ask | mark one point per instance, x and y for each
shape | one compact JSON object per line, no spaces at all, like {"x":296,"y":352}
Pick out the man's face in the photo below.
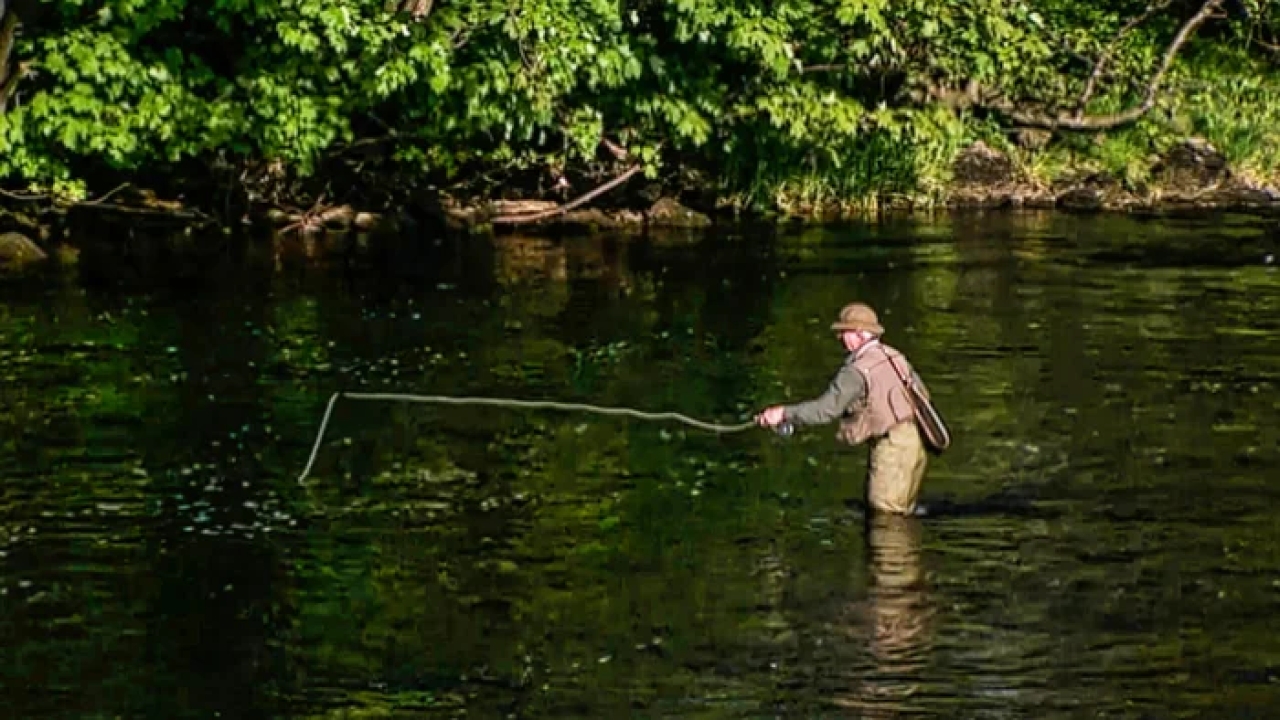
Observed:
{"x":852,"y":340}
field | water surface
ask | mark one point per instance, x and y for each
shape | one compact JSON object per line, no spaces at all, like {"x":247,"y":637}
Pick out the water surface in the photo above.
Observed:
{"x":1102,"y":538}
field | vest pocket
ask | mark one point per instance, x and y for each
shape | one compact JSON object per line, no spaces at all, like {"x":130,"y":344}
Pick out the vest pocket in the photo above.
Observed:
{"x":900,"y":405}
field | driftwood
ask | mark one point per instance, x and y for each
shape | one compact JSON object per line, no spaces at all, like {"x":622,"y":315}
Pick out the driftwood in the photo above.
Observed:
{"x":142,"y":204}
{"x":533,"y":217}
{"x":522,"y":207}
{"x":151,"y":207}
{"x":176,"y":212}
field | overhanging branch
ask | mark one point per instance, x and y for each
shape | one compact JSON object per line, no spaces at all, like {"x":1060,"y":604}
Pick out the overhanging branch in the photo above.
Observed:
{"x":1079,"y":121}
{"x":1100,"y":66}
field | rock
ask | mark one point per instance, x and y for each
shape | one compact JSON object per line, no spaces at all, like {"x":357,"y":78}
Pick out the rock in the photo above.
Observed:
{"x":629,"y":218}
{"x":979,"y":163}
{"x":1191,"y":168}
{"x":1097,"y":191}
{"x":669,"y":213}
{"x":448,"y":211}
{"x":589,"y":218}
{"x":1232,"y":192}
{"x":1240,"y":193}
{"x":18,"y":249}
{"x":1082,"y":197}
{"x":370,"y":221}
{"x":983,"y":177}
{"x":650,"y":193}
{"x":18,"y":222}
{"x":67,"y":254}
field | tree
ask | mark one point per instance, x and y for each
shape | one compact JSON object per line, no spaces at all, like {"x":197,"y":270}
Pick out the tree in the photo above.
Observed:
{"x":855,"y":97}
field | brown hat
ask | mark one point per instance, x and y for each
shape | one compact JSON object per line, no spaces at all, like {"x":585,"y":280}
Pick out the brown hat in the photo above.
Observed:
{"x":858,"y":316}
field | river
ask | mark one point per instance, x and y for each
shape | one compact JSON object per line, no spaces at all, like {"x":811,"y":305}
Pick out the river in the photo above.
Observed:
{"x":1100,"y":541}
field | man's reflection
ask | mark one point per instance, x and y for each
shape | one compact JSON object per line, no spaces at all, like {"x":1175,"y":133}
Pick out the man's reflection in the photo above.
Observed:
{"x":896,"y":621}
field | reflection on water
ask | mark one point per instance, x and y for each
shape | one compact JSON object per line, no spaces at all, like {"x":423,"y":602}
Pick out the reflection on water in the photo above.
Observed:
{"x":894,"y":622}
{"x":1100,"y":539}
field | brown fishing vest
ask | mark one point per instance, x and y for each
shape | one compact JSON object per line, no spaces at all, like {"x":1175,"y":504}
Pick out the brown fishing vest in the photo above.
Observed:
{"x":885,"y":403}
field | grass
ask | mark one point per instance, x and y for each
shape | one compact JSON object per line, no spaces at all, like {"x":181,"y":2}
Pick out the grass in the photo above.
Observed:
{"x":859,"y":177}
{"x":1237,"y":109}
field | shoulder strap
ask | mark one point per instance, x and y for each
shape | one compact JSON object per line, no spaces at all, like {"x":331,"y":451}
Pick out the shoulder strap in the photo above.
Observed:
{"x":901,"y":376}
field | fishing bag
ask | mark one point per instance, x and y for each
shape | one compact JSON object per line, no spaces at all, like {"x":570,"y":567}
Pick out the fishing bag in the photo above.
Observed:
{"x":933,"y":428}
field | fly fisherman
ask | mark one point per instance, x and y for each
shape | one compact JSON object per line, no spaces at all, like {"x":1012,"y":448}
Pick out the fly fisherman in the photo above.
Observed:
{"x":868,"y":397}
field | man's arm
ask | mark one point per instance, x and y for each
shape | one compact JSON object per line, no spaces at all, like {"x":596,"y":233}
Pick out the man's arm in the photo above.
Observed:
{"x":846,"y":388}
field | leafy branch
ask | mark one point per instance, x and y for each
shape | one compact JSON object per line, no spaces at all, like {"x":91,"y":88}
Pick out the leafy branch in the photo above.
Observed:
{"x":1078,"y":120}
{"x":1105,"y":56}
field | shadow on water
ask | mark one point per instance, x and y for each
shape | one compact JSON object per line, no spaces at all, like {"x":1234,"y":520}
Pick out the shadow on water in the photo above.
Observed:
{"x":1099,"y":541}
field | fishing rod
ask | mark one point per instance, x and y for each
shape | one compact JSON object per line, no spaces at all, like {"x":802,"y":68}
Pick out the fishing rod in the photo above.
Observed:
{"x":784,"y":429}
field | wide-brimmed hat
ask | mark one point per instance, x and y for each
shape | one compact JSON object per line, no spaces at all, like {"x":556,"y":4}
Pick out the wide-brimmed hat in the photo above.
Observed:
{"x":858,"y":316}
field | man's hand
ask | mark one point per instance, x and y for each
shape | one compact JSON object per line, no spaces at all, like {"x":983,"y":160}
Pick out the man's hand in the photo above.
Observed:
{"x":771,"y":416}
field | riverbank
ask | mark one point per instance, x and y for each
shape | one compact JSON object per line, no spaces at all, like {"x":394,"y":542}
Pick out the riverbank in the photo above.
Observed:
{"x":1193,"y":176}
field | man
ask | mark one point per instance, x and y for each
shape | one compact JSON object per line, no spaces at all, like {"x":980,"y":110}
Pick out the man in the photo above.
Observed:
{"x":868,"y":397}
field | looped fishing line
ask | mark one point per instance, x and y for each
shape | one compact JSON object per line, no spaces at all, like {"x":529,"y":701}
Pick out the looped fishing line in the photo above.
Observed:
{"x":510,"y":402}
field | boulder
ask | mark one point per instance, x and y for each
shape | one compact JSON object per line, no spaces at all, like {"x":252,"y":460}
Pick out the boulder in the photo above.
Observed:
{"x":18,"y":249}
{"x":983,"y":177}
{"x":669,"y":213}
{"x":1097,"y":191}
{"x":1191,"y":167}
{"x":1083,"y":197}
{"x":981,"y":164}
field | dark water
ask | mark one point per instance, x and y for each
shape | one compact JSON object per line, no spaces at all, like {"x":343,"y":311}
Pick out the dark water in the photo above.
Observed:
{"x":1103,"y":541}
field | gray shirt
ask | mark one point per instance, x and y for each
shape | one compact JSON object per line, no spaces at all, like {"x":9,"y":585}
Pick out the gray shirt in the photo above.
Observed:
{"x":847,"y":388}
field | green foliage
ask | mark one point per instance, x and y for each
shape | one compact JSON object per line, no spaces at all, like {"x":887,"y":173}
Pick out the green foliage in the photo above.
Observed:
{"x":815,"y":100}
{"x":1232,"y":101}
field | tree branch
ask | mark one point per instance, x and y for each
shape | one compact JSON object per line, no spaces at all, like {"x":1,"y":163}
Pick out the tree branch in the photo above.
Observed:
{"x":9,"y":77}
{"x":831,"y":67}
{"x":562,"y":209}
{"x":1105,"y":56}
{"x":103,"y":199}
{"x":22,"y":197}
{"x":1078,"y":121}
{"x":419,"y":9}
{"x":1270,"y":46}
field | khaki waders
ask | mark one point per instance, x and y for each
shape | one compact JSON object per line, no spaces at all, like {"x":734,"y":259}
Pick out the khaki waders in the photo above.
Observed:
{"x":895,"y":469}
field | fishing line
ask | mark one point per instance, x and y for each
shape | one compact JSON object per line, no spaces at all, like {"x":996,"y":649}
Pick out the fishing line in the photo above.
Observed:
{"x":513,"y":403}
